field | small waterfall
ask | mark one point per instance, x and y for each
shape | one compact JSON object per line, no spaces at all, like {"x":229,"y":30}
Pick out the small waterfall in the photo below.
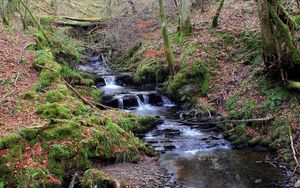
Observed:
{"x":146,"y":99}
{"x":120,"y":103}
{"x":139,"y":101}
{"x":166,"y":101}
{"x":110,"y":80}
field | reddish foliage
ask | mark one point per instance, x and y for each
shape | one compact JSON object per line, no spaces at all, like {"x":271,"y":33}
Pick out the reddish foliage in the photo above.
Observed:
{"x":152,"y":53}
{"x":142,"y":24}
{"x":14,"y":113}
{"x":151,"y":35}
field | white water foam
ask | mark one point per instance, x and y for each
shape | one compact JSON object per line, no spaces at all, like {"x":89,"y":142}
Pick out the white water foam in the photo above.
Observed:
{"x":188,"y":132}
{"x":110,"y":82}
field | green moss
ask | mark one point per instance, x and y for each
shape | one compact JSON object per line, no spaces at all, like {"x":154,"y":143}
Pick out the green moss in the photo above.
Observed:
{"x":147,"y":73}
{"x":30,"y":95}
{"x":10,"y":141}
{"x":139,"y":124}
{"x":76,"y":78}
{"x":48,"y":75}
{"x":240,"y":129}
{"x":42,"y":57}
{"x":192,"y":80}
{"x":79,"y":109}
{"x":96,"y":178}
{"x":275,"y":97}
{"x":54,"y":111}
{"x":54,"y":96}
{"x":28,"y":133}
{"x":34,"y":177}
{"x":71,"y":130}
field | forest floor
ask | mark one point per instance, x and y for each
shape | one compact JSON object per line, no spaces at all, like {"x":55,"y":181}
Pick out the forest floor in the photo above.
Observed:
{"x":17,"y":77}
{"x":238,"y":89}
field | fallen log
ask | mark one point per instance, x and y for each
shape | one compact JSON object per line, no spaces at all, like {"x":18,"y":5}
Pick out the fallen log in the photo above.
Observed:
{"x":229,"y":121}
{"x":83,"y":25}
{"x":91,"y":20}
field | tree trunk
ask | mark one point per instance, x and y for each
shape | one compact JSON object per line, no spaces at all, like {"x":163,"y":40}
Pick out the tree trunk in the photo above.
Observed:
{"x":217,"y":14}
{"x":185,"y":17}
{"x":280,"y":53}
{"x":168,"y":48}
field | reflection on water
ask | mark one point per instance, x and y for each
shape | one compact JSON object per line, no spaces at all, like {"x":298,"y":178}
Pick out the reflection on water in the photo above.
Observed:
{"x":223,"y":168}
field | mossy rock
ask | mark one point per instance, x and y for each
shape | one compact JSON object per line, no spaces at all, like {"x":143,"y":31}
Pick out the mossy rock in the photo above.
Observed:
{"x":139,"y":124}
{"x":192,"y":80}
{"x":54,"y":111}
{"x":96,"y":178}
{"x":150,"y":73}
{"x":240,"y":141}
{"x":76,"y":78}
{"x":54,"y":96}
{"x":30,"y":95}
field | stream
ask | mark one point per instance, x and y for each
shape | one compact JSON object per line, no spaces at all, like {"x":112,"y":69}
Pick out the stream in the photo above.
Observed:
{"x":196,"y":156}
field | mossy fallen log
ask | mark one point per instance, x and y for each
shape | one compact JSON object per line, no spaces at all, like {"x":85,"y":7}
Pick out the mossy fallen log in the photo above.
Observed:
{"x":77,"y":24}
{"x":91,"y":20}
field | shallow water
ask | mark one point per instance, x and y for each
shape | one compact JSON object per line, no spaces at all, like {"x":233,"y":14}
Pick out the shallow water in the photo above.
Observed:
{"x":197,"y":157}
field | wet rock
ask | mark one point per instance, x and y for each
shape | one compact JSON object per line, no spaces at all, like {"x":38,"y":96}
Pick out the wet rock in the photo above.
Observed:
{"x":169,"y":147}
{"x":258,"y":181}
{"x":99,"y":81}
{"x":125,"y":80}
{"x":112,"y":103}
{"x":297,"y":184}
{"x":155,"y":99}
{"x":129,"y":102}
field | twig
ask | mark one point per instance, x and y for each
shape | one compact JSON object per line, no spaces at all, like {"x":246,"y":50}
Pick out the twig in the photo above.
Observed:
{"x":17,"y":77}
{"x":21,"y":54}
{"x":78,"y":94}
{"x":73,"y":180}
{"x":293,"y":150}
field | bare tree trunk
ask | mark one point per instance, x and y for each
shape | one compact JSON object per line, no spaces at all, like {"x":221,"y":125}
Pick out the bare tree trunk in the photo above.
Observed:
{"x":185,"y":17}
{"x":217,"y":14}
{"x":280,"y":52}
{"x":168,"y":48}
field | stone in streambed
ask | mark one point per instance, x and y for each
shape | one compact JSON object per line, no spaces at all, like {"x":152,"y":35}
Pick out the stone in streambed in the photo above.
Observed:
{"x":297,"y":184}
{"x":155,"y":99}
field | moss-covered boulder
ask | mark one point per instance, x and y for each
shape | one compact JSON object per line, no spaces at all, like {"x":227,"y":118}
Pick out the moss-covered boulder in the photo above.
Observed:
{"x":192,"y":80}
{"x":96,"y":178}
{"x":150,"y":73}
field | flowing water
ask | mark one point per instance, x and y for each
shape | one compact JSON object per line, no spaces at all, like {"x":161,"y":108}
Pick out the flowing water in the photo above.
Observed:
{"x":196,"y":156}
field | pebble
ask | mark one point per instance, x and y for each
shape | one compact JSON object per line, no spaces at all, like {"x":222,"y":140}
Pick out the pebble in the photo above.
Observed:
{"x":258,"y":181}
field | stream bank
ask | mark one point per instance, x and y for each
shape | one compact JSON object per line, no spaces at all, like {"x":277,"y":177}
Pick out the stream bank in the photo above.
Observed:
{"x":194,"y":156}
